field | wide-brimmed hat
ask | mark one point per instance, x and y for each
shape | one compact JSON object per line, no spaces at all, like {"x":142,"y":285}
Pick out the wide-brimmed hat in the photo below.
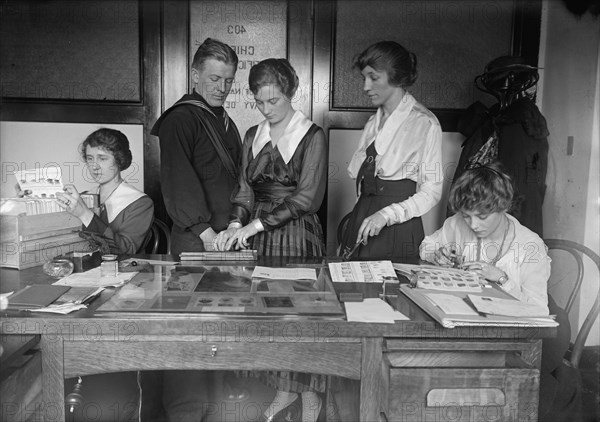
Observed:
{"x":502,"y":66}
{"x":497,"y":72}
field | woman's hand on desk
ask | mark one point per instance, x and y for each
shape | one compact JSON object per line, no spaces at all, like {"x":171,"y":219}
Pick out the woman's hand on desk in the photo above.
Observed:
{"x":239,"y":240}
{"x":222,"y":239}
{"x":70,"y":201}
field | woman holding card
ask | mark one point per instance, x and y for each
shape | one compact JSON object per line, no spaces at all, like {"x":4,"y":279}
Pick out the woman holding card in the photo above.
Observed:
{"x":125,"y":213}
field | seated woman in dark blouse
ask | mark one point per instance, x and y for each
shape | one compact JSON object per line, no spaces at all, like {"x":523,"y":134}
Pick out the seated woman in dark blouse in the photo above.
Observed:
{"x":125,"y":213}
{"x":123,"y":222}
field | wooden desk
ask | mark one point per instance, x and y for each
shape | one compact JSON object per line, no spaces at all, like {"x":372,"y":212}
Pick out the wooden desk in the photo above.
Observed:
{"x":408,"y":371}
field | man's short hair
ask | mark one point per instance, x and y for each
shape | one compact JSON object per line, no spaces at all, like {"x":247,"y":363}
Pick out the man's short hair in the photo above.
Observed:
{"x":214,"y":49}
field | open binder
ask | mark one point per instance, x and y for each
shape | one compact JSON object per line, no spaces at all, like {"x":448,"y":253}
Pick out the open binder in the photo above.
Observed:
{"x":455,"y":309}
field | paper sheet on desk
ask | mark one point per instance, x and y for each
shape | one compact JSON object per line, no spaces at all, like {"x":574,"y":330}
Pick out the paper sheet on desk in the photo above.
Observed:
{"x":285,"y":273}
{"x":63,"y":308}
{"x":92,"y":278}
{"x":372,"y":310}
{"x":450,"y":304}
{"x":507,"y":307}
{"x":363,"y":272}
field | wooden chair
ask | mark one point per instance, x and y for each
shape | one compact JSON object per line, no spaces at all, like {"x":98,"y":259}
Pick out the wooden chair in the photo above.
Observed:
{"x":342,"y":225}
{"x":577,"y":251}
{"x":159,"y":238}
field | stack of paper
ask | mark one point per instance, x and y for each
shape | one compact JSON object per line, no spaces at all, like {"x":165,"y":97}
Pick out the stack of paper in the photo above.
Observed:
{"x":61,"y":308}
{"x":92,"y":278}
{"x":241,"y":255}
{"x":372,"y":310}
{"x":495,"y":308}
{"x":514,"y":308}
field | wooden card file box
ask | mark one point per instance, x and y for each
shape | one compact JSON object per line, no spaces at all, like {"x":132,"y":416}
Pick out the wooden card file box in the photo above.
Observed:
{"x":31,"y":240}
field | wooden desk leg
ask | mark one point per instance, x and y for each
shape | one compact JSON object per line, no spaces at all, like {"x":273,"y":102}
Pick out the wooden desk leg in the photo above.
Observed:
{"x":53,"y":382}
{"x":370,"y":379}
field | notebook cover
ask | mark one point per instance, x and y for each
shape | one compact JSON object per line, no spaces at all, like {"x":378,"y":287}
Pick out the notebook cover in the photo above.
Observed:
{"x":419,"y":296}
{"x":36,"y":296}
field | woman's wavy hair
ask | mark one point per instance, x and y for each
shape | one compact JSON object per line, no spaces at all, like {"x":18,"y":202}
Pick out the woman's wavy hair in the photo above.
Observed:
{"x":110,"y":140}
{"x":276,"y":72}
{"x":389,"y":56}
{"x":482,"y":188}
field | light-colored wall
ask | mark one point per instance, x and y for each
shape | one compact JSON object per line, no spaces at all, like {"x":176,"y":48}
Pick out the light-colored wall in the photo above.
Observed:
{"x":29,"y":145}
{"x":568,"y":98}
{"x":592,"y":220}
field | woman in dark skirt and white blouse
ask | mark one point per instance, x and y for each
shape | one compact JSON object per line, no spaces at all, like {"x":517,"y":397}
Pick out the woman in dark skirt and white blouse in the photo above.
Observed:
{"x":398,"y":164}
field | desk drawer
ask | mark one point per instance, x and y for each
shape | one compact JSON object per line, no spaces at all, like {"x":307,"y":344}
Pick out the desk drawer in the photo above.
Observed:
{"x":83,"y":358}
{"x":457,"y":395}
{"x":461,"y":353}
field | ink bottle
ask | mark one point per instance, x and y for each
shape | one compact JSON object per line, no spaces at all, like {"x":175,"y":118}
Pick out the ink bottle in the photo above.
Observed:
{"x":109,"y":266}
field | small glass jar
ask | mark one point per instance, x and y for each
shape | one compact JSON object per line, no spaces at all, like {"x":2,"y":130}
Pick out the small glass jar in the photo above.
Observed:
{"x":109,"y":266}
{"x":58,"y":267}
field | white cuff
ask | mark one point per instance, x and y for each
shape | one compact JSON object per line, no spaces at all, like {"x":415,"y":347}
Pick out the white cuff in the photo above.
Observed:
{"x":394,"y":214}
{"x":258,"y":225}
{"x":385,"y":215}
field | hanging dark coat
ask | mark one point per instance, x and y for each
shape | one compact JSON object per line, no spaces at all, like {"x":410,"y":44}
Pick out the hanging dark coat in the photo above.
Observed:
{"x":522,"y":149}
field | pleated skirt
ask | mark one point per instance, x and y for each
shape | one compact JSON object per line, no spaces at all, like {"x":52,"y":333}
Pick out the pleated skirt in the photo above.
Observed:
{"x":299,"y":237}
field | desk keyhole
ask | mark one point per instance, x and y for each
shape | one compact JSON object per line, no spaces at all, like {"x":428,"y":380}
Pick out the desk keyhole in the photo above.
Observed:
{"x":213,"y":351}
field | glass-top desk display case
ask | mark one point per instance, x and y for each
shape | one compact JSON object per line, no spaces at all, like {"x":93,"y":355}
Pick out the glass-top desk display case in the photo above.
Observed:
{"x":224,"y":290}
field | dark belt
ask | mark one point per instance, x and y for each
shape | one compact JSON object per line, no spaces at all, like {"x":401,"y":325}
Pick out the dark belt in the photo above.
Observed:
{"x":269,"y":191}
{"x":404,"y":187}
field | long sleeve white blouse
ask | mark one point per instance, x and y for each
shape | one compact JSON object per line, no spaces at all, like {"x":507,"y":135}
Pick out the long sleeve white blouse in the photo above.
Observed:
{"x":526,"y":263}
{"x":408,"y":147}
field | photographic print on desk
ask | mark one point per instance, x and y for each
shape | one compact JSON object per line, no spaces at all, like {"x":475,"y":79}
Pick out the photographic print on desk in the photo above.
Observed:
{"x":278,"y":302}
{"x":225,"y":279}
{"x":286,"y":286}
{"x":179,"y":280}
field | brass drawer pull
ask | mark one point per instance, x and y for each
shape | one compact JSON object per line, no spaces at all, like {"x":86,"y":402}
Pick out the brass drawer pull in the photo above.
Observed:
{"x":213,"y":351}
